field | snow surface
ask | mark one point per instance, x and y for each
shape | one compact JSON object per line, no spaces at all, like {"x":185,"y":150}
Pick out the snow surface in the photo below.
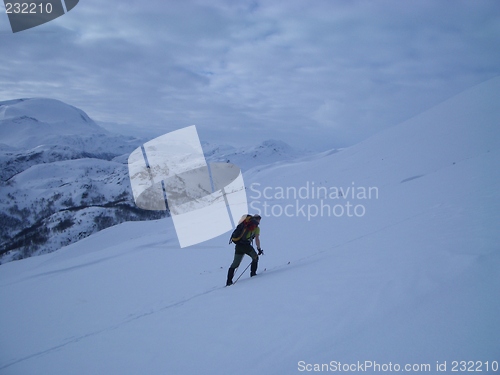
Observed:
{"x":412,"y":281}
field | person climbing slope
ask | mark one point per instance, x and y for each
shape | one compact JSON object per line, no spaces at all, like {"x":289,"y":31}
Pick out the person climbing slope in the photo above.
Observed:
{"x":243,"y":236}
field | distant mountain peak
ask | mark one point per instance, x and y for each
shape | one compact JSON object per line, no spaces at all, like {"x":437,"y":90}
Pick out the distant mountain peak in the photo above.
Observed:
{"x":276,"y":146}
{"x":27,"y":123}
{"x":50,"y":111}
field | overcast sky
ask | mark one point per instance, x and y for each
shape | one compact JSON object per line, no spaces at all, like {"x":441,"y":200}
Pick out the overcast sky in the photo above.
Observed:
{"x":317,"y":74}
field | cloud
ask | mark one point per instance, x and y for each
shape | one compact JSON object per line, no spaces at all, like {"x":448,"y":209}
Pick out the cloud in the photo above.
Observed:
{"x":318,"y":73}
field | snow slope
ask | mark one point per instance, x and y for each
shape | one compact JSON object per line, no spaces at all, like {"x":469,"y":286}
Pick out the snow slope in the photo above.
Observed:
{"x":412,"y":281}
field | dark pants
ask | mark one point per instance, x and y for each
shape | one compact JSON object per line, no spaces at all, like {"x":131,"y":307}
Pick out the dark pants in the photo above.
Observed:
{"x":239,"y":253}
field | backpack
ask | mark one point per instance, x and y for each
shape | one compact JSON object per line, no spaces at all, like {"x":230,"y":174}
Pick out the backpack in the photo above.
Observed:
{"x":246,"y":224}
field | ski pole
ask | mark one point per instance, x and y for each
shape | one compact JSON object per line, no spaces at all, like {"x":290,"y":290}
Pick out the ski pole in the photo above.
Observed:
{"x":242,"y":273}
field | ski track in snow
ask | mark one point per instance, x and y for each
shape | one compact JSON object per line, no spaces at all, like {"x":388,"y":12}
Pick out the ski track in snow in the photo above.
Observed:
{"x":296,"y":263}
{"x":110,"y":328}
{"x":131,"y":319}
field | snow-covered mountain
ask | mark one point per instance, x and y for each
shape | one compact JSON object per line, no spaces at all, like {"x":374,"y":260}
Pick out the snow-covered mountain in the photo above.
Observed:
{"x":63,"y":177}
{"x":268,"y":152}
{"x":58,"y":180}
{"x":31,"y":123}
{"x":385,"y":254}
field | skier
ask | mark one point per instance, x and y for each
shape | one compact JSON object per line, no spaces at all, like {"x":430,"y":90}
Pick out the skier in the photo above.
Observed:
{"x":244,"y":246}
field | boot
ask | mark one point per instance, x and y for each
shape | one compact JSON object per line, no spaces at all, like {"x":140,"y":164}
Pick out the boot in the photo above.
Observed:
{"x":230,"y":274}
{"x":253,"y":268}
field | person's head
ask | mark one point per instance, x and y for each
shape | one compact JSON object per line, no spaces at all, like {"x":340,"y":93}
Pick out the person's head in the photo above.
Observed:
{"x":257,"y":217}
